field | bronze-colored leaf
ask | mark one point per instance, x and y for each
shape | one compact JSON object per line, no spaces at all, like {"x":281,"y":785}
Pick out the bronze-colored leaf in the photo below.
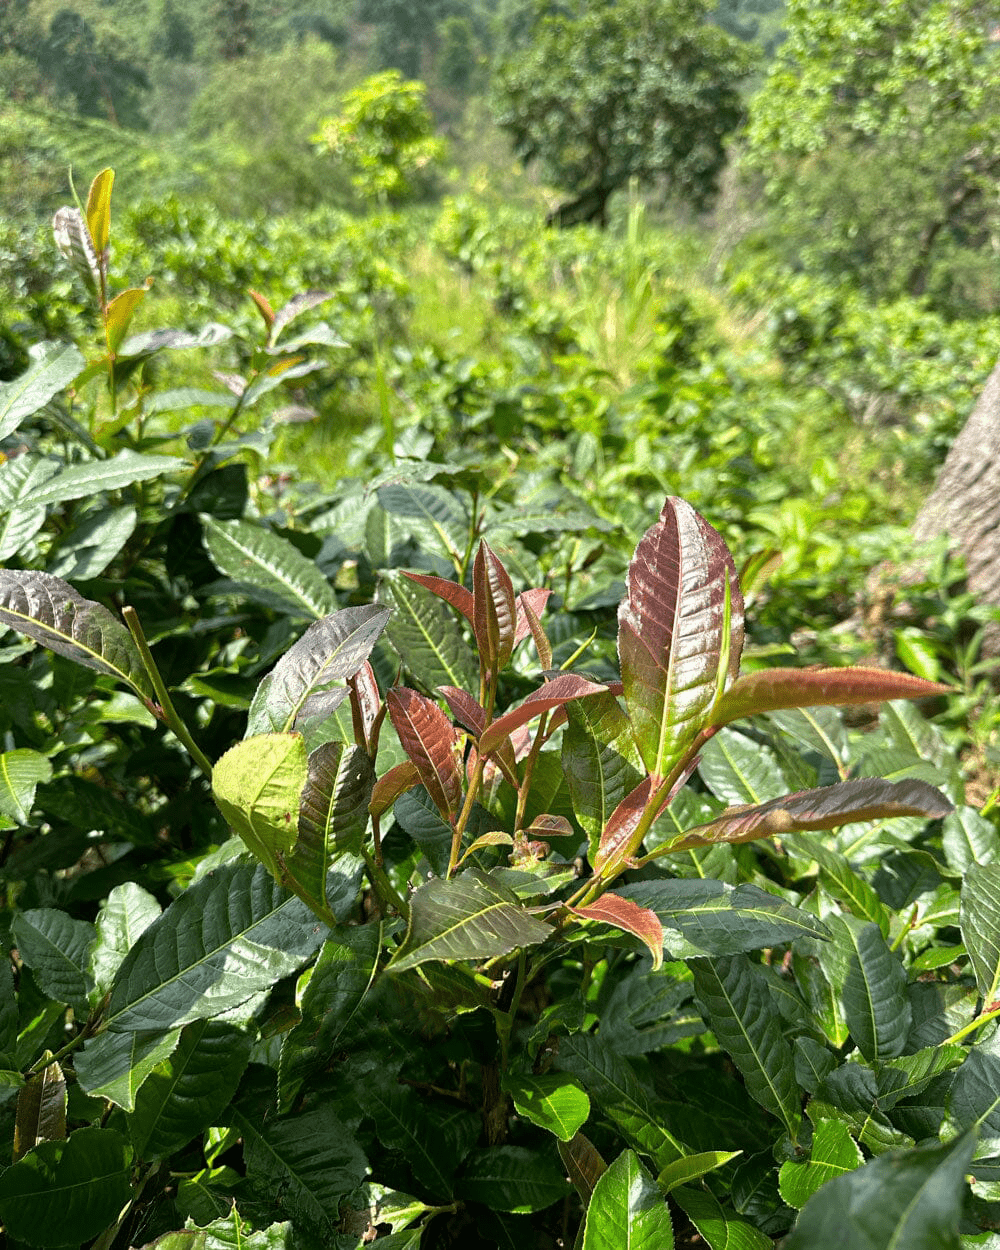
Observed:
{"x":430,"y":741}
{"x":774,"y":688}
{"x":553,"y":694}
{"x":626,"y":914}
{"x":676,"y":646}
{"x":494,"y":613}
{"x":827,"y":807}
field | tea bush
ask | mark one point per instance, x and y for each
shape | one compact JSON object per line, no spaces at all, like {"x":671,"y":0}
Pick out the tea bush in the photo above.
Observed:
{"x":379,"y":867}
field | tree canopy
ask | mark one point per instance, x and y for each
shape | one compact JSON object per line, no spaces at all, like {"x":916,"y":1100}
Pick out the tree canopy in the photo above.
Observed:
{"x":611,"y":91}
{"x":877,"y":130}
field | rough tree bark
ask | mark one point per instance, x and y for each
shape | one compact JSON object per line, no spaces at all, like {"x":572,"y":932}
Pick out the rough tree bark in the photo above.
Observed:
{"x":965,"y":502}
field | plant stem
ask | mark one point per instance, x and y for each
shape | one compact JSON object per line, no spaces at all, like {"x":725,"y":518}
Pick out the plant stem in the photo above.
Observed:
{"x":984,"y":1018}
{"x":529,"y":768}
{"x":383,"y":887}
{"x":169,"y":711}
{"x":41,"y":1064}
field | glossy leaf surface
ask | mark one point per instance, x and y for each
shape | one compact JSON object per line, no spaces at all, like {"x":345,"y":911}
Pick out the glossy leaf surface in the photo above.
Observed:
{"x":627,"y":1210}
{"x":827,"y":807}
{"x":553,"y":694}
{"x":269,"y":565}
{"x":471,"y":916}
{"x":307,"y":676}
{"x":673,"y":635}
{"x":49,"y":611}
{"x":426,"y":636}
{"x":430,"y":741}
{"x":774,"y":688}
{"x":229,"y":936}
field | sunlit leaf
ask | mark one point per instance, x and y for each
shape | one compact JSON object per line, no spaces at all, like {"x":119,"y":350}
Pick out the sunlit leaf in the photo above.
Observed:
{"x":80,"y":481}
{"x":554,"y":1101}
{"x":827,"y":807}
{"x":114,"y":1065}
{"x":773,"y":688}
{"x":552,"y":694}
{"x":21,"y":771}
{"x":980,"y":923}
{"x":54,"y":366}
{"x":833,"y":1152}
{"x":626,"y":914}
{"x":56,"y":948}
{"x":99,"y":209}
{"x":469,"y":917}
{"x":430,"y":741}
{"x":303,"y":681}
{"x":673,"y":634}
{"x":269,"y":564}
{"x":599,"y":758}
{"x":494,"y":612}
{"x":49,"y":611}
{"x":257,"y":785}
{"x":912,"y":1199}
{"x":234,"y":933}
{"x":627,"y":1209}
{"x":333,"y":814}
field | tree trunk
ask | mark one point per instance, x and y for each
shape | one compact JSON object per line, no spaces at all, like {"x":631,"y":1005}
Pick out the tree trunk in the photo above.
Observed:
{"x":965,"y":502}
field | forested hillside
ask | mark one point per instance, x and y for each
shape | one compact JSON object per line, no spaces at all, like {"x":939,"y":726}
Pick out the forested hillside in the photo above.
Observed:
{"x":485,"y":759}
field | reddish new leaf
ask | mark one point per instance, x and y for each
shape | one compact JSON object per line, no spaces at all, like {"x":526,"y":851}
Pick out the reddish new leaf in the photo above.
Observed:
{"x":368,"y":697}
{"x":541,"y":639}
{"x":626,"y":914}
{"x":775,"y":688}
{"x":548,"y":826}
{"x":430,"y":740}
{"x":583,"y":1163}
{"x":494,"y":609}
{"x":391,"y":785}
{"x":469,"y":713}
{"x":676,"y":653}
{"x":451,"y":592}
{"x":553,"y":694}
{"x":827,"y":807}
{"x":530,"y":603}
{"x":615,"y":845}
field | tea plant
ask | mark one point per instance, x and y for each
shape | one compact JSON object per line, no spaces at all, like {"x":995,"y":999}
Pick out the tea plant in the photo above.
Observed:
{"x":535,"y":949}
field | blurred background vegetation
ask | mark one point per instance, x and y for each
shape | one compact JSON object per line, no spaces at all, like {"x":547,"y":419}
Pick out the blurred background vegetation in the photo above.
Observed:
{"x":776,"y":291}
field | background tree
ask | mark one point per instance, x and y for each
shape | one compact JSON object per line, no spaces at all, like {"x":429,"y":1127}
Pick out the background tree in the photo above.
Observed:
{"x":613,"y":91}
{"x":385,"y":135}
{"x":877,"y":130}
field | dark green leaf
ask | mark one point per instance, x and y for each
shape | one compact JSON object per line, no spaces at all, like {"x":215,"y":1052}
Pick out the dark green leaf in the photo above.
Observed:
{"x":979,"y":917}
{"x":706,"y":917}
{"x":81,"y":481}
{"x":911,"y":1199}
{"x":426,"y":636}
{"x":739,"y":1011}
{"x":88,"y":548}
{"x":877,"y":1010}
{"x":432,"y":1146}
{"x":333,"y":815}
{"x":968,"y":838}
{"x":56,"y":948}
{"x":469,"y":917}
{"x":187,"y":1091}
{"x":739,"y":770}
{"x":303,"y":1164}
{"x":513,"y":1178}
{"x":49,"y":611}
{"x":721,"y":1229}
{"x":974,"y":1101}
{"x":66,"y":1192}
{"x":616,"y":1089}
{"x":262,"y":560}
{"x":600,"y":759}
{"x":338,"y":984}
{"x":232,"y":934}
